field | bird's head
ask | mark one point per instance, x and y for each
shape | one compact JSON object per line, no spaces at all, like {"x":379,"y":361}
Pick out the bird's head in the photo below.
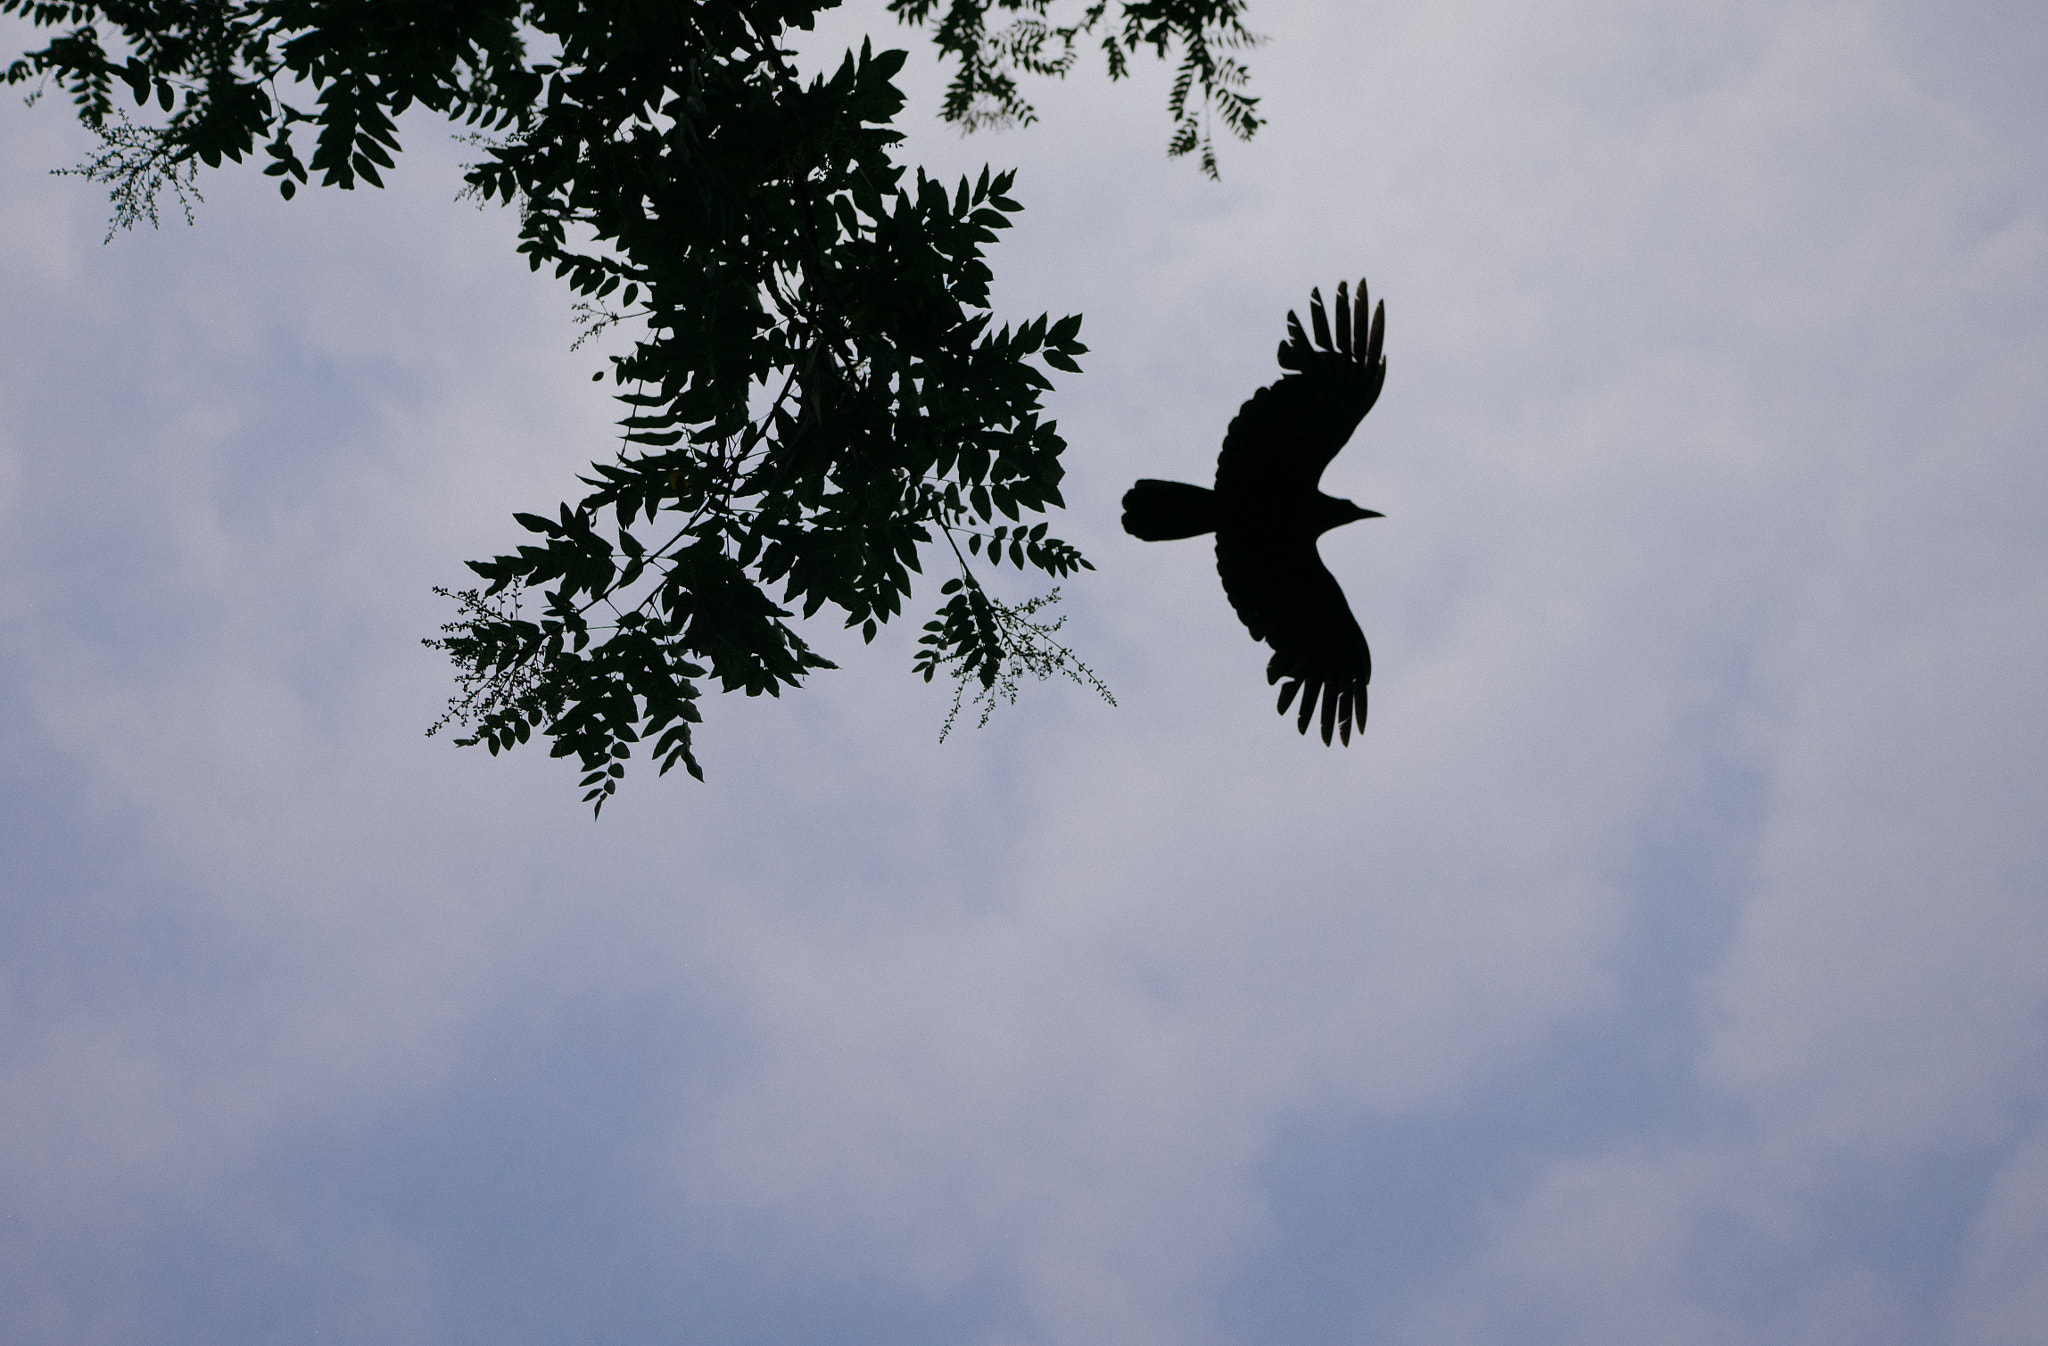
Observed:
{"x":1335,"y":513}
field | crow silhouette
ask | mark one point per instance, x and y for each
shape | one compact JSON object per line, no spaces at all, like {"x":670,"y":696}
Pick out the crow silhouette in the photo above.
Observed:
{"x":1267,"y":510}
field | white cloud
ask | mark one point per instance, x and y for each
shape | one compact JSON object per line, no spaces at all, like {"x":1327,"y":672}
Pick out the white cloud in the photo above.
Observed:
{"x":1711,"y":441}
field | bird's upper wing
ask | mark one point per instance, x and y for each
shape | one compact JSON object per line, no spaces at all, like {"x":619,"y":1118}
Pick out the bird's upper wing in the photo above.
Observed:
{"x":1287,"y":598}
{"x":1283,"y":438}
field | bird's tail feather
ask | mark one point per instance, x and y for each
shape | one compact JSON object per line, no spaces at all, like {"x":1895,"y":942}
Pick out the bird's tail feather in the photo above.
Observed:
{"x":1158,"y":511}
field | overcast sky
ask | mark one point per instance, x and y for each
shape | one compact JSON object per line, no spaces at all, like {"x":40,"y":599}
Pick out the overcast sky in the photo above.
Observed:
{"x":1668,"y":963}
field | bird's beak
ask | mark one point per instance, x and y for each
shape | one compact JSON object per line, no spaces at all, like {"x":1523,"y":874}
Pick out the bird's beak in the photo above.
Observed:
{"x":1370,"y":514}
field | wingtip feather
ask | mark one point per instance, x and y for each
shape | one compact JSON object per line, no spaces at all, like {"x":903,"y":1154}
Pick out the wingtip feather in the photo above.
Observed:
{"x":1294,"y":352}
{"x":1310,"y":690}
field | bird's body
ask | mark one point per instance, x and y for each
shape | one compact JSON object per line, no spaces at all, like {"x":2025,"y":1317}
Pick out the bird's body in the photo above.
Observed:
{"x":1267,"y":511}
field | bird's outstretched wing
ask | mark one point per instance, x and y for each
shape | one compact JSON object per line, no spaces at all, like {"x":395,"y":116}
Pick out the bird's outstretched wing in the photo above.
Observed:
{"x":1286,"y":597}
{"x":1283,"y":438}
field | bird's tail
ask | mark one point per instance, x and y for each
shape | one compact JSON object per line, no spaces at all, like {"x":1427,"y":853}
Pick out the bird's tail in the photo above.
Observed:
{"x":1158,"y":511}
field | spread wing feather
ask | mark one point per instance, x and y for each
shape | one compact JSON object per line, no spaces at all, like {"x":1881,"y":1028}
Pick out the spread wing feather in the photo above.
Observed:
{"x":1282,"y":439}
{"x":1286,"y":597}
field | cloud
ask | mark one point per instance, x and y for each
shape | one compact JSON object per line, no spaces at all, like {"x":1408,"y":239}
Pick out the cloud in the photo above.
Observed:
{"x":1665,"y":964}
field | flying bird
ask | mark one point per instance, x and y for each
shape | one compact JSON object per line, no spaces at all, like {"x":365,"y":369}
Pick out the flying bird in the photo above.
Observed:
{"x":1267,"y":510}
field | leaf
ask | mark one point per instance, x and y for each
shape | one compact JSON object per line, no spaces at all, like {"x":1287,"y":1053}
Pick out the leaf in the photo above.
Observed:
{"x":813,"y":380}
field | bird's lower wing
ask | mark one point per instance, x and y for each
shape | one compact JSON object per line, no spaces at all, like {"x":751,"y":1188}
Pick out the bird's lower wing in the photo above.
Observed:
{"x":1287,"y":598}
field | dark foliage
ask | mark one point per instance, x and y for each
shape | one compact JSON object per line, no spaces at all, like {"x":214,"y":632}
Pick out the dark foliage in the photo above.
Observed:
{"x":1267,"y":510}
{"x":984,"y":92}
{"x":818,"y":389}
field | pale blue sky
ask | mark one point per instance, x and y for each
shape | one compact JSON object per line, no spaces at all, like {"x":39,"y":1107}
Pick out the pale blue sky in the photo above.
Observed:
{"x":1669,"y":963}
